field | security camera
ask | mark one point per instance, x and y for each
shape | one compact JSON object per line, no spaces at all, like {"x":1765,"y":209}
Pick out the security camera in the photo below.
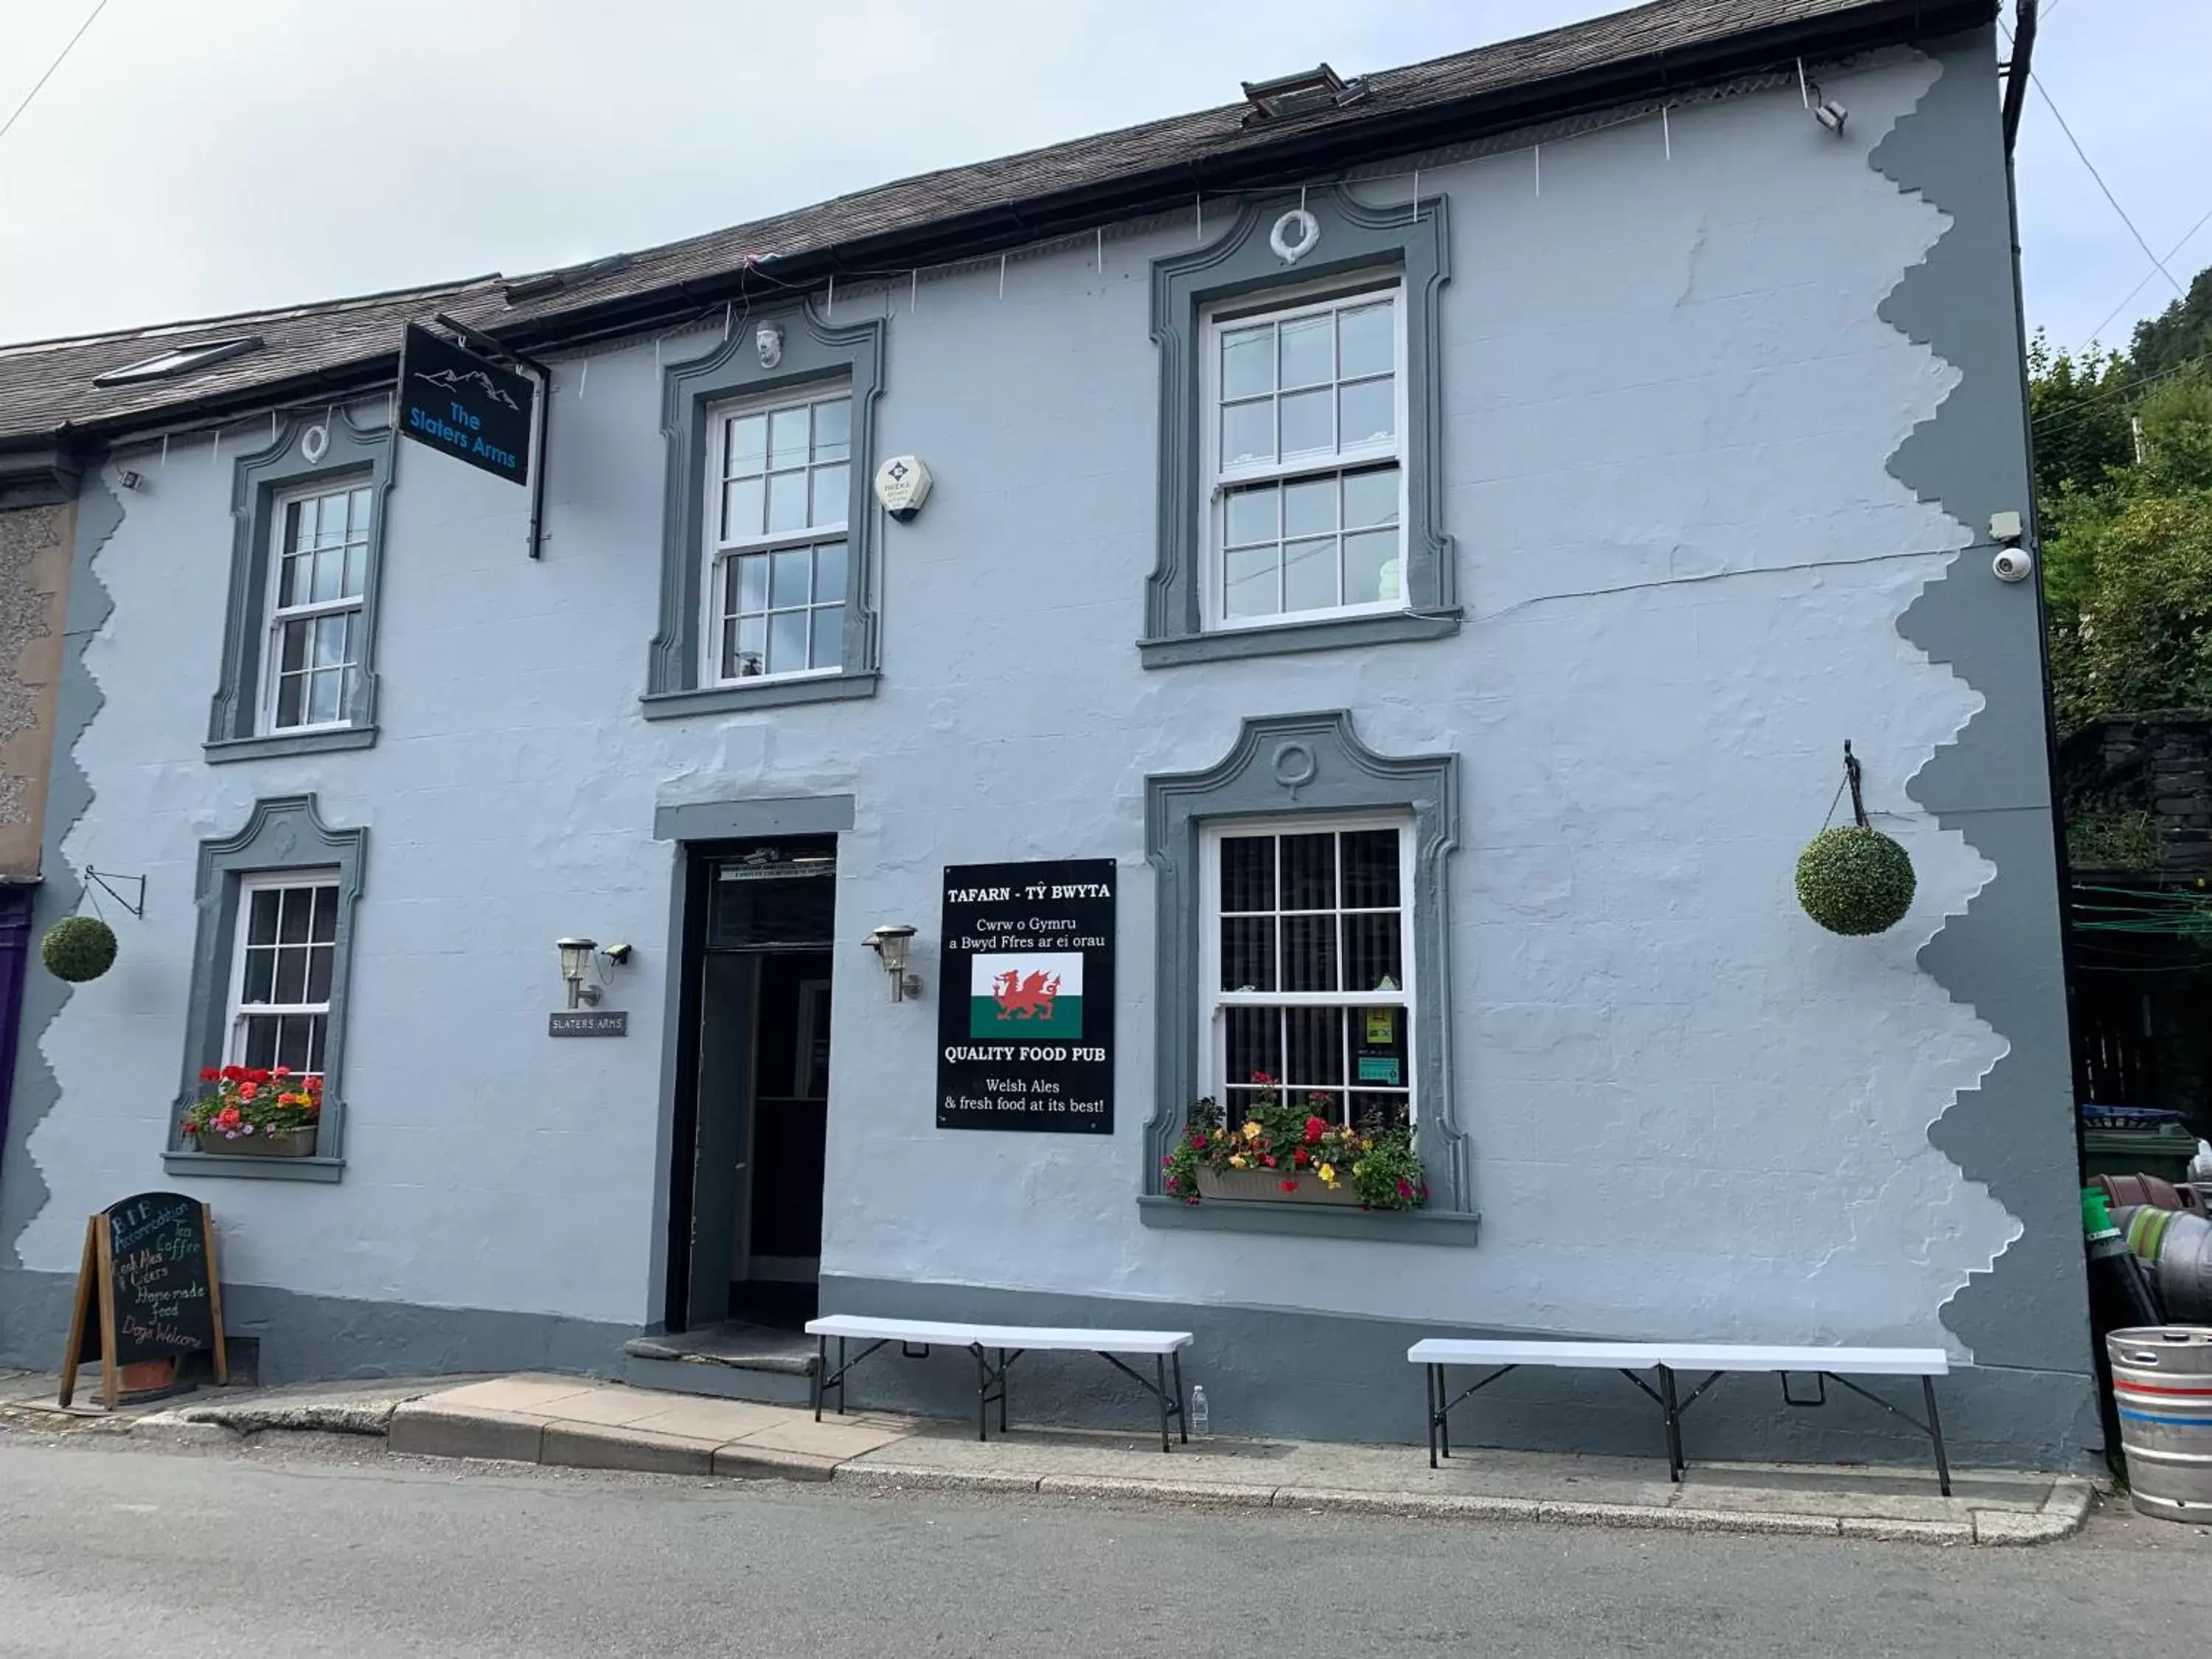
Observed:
{"x":618,"y":954}
{"x":1831,"y":115}
{"x":2013,"y":564}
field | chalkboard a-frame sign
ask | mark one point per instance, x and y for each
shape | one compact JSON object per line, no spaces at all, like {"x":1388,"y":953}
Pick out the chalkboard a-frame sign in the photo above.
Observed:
{"x":147,"y":1289}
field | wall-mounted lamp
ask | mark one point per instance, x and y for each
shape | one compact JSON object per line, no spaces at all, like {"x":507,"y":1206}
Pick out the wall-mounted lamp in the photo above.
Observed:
{"x":575,"y":959}
{"x":890,"y":943}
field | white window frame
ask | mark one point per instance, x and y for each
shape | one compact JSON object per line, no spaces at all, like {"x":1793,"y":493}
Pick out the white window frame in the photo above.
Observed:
{"x":236,"y":1010}
{"x":717,"y":553}
{"x":1278,"y":306}
{"x":274,"y":616}
{"x":1214,"y":1002}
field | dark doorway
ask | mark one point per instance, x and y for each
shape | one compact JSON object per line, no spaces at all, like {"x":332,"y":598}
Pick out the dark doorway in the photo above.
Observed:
{"x":753,"y":1091}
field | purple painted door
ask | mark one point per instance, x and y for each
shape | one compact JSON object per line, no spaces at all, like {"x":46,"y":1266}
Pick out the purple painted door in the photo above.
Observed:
{"x":15,"y":957}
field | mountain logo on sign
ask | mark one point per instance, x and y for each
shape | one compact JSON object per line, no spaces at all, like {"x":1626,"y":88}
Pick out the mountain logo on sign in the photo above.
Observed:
{"x":447,"y":380}
{"x":1031,"y":994}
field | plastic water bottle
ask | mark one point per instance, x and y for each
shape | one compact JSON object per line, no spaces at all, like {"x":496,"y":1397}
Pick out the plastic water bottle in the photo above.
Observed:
{"x":1198,"y":1411}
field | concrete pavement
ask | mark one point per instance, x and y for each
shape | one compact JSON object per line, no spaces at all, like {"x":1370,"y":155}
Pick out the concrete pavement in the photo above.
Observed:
{"x":111,"y":1547}
{"x":574,"y":1422}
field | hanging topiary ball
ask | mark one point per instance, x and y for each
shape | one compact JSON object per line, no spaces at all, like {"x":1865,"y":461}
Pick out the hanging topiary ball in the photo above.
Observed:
{"x":1855,"y":880}
{"x":78,"y":948}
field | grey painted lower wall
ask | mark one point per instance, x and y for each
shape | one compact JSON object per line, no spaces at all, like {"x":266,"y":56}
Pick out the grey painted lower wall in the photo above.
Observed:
{"x":307,"y":1339}
{"x":1287,"y":1371}
{"x":1266,"y":1371}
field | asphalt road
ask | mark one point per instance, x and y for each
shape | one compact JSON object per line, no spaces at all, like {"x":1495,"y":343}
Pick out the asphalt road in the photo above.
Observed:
{"x":109,"y":1549}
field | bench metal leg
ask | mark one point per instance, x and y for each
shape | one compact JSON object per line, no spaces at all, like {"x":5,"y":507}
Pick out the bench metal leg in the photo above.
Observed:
{"x":1429,"y":1386}
{"x":1182,"y":1416}
{"x":1440,"y":1409}
{"x":825,"y":1380}
{"x":1171,"y":1402}
{"x":1935,"y":1433}
{"x":1673,"y":1415}
{"x":1002,"y":1391}
{"x":982,"y":1395}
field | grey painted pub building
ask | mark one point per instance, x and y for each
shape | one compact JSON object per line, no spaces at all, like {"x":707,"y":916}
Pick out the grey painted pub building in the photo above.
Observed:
{"x":1432,"y":534}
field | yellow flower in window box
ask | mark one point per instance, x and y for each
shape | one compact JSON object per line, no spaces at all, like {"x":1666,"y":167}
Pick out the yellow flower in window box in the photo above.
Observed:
{"x":1252,"y":1130}
{"x":1236,"y":1160}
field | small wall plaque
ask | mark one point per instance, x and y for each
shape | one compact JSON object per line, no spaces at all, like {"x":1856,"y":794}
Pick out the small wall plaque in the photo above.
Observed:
{"x":590,"y":1023}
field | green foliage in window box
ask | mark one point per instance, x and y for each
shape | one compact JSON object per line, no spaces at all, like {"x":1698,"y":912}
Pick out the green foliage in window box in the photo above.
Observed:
{"x":1292,"y":1145}
{"x":78,"y":948}
{"x":1855,"y":880}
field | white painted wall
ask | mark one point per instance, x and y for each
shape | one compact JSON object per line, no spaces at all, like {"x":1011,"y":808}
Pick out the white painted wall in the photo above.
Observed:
{"x":1669,"y":401}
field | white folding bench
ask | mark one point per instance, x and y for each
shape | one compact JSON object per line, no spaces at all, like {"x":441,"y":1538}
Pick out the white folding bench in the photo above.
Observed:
{"x":1718,"y":1360}
{"x":1009,"y":1342}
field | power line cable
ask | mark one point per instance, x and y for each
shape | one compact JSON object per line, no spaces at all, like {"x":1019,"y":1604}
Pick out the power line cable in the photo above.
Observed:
{"x":2113,"y":392}
{"x":51,"y":67}
{"x":2138,"y":288}
{"x":2037,"y":82}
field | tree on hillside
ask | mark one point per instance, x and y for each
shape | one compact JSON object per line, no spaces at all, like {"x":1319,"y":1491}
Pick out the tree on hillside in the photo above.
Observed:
{"x":2124,"y":496}
{"x":2181,"y":333}
{"x":2080,"y":414}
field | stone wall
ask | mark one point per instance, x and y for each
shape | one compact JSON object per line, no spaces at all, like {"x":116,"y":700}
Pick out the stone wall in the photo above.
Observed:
{"x":2138,"y":792}
{"x":35,"y":561}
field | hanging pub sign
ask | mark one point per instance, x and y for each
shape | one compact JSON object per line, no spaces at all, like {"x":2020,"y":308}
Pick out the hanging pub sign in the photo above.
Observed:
{"x":464,"y":405}
{"x":146,"y":1290}
{"x":1026,"y":1003}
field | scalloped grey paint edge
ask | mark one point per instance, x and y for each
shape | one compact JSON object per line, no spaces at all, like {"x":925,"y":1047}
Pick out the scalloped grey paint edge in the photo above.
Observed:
{"x":2025,"y":1318}
{"x":23,"y":1190}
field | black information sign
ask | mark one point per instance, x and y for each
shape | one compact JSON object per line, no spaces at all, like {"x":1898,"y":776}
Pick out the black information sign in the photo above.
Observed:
{"x":1025,"y":1002}
{"x":147,"y":1289}
{"x":465,"y":405}
{"x":590,"y":1023}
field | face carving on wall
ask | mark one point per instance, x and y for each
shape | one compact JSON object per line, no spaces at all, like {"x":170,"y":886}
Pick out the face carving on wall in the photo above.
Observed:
{"x":768,"y":340}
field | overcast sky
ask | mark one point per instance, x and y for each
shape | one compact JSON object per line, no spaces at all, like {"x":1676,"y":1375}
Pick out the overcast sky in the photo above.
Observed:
{"x":193,"y":157}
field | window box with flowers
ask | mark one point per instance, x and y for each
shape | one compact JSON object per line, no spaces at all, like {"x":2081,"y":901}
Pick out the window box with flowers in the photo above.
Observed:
{"x":1284,"y":1153}
{"x":250,"y":1111}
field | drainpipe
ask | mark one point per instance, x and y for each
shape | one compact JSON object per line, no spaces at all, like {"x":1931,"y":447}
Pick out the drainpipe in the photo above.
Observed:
{"x":2016,"y":80}
{"x":2023,"y":57}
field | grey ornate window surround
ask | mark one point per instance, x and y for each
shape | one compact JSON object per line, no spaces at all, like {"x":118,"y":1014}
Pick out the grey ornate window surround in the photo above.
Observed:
{"x":341,"y":451}
{"x":282,"y":834}
{"x":1354,"y":239}
{"x":812,"y":351}
{"x":1297,"y":765}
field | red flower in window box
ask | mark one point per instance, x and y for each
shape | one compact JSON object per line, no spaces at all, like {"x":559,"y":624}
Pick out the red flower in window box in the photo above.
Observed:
{"x":240,"y":1112}
{"x":1375,"y":1163}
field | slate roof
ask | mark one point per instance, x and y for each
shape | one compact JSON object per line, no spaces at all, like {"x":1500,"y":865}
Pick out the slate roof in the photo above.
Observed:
{"x":46,"y":390}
